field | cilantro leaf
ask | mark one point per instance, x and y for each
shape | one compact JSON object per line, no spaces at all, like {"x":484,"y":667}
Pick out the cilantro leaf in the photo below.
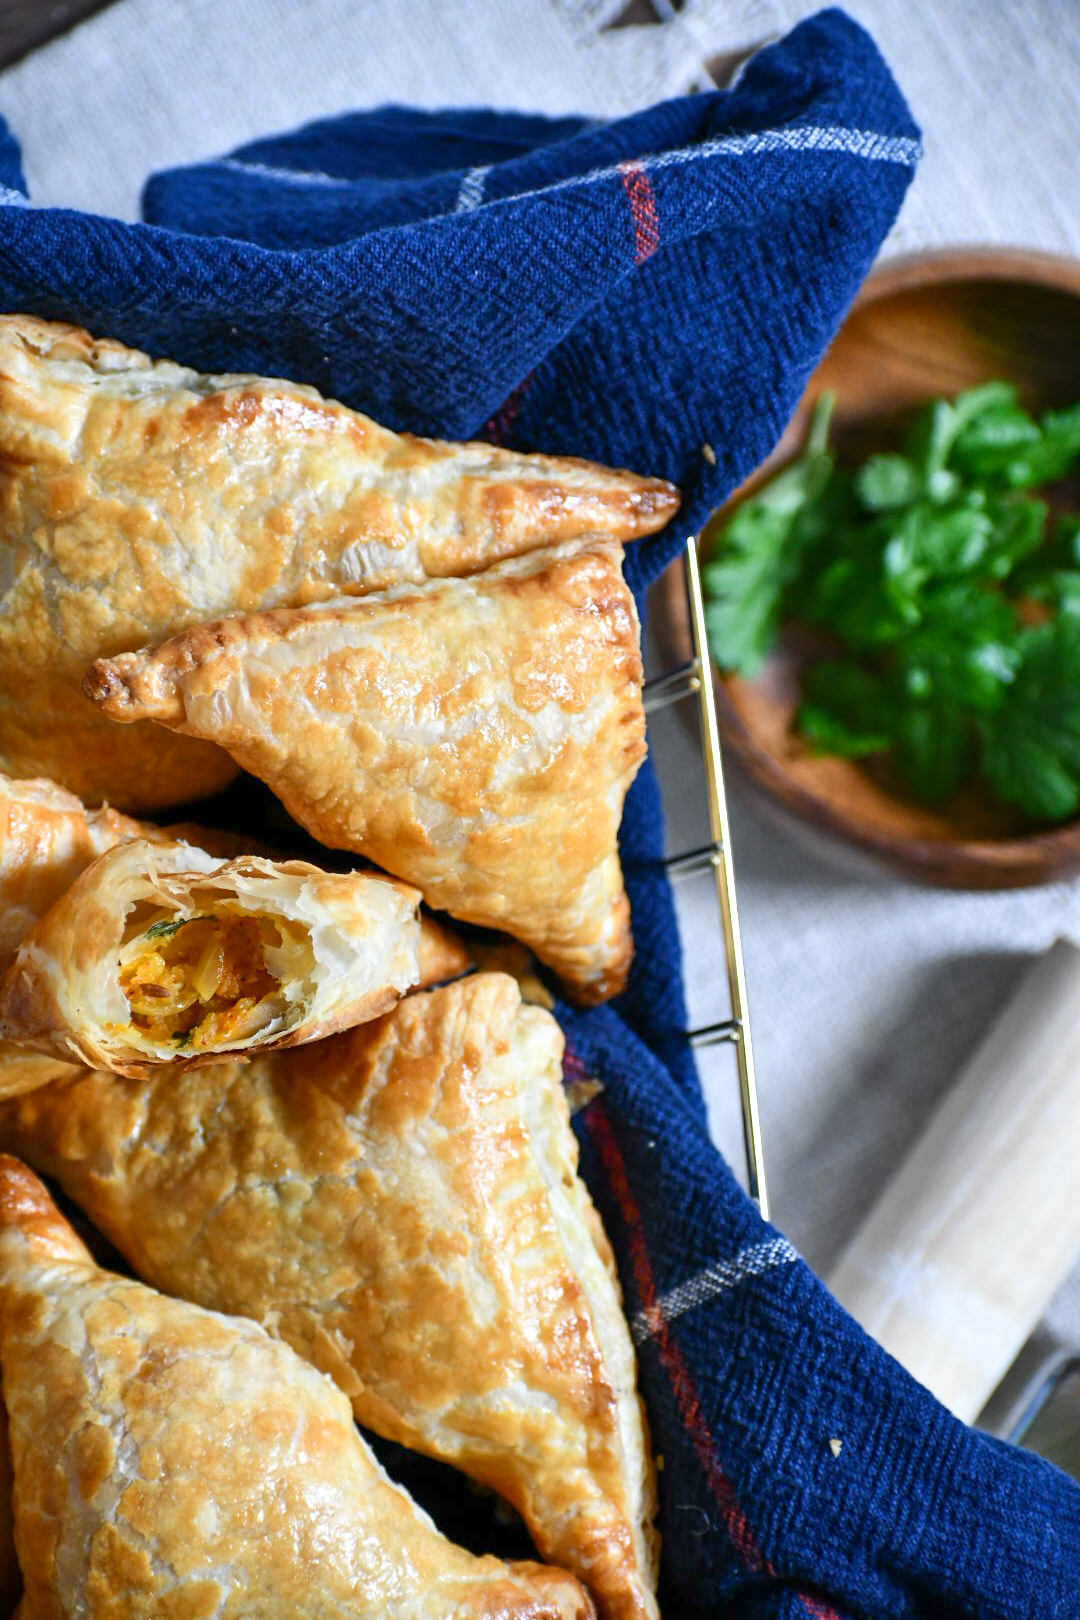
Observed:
{"x":162,"y":930}
{"x":857,"y":603}
{"x":1051,"y":456}
{"x":939,"y":425}
{"x":994,"y":438}
{"x":1018,"y":529}
{"x":966,"y":650}
{"x":924,"y":564}
{"x":934,"y":748}
{"x":886,"y":482}
{"x":845,"y":710}
{"x":1050,"y":573}
{"x":1065,"y":545}
{"x":757,"y":553}
{"x":1030,"y":752}
{"x":953,"y":540}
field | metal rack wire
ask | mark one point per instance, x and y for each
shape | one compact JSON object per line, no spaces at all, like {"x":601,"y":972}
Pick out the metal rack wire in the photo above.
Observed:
{"x":673,"y":686}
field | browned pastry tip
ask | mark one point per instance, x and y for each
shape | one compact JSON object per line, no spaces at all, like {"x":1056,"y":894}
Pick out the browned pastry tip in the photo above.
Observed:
{"x":558,"y":1595}
{"x":122,"y":685}
{"x":28,"y":1213}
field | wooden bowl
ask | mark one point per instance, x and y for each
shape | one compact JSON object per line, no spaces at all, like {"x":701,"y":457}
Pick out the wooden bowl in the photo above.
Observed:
{"x":931,"y":324}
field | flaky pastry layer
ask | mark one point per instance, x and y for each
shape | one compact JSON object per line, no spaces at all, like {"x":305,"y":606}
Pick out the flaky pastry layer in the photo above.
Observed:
{"x":138,"y":497}
{"x":169,"y":1461}
{"x":48,"y":837}
{"x":402,"y":1204}
{"x":162,"y":954}
{"x":474,"y":736}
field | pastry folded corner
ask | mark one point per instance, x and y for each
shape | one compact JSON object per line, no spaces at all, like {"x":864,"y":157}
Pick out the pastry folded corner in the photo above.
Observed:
{"x":402,"y":1204}
{"x":47,"y":837}
{"x":164,"y":954}
{"x":474,"y":736}
{"x":168,"y":1460}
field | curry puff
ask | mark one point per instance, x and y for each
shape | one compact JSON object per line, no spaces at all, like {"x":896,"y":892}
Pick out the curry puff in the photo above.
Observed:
{"x":402,"y":1204}
{"x":138,"y":497}
{"x":47,"y":837}
{"x":165,"y":954}
{"x":474,"y":736}
{"x":172,"y":1462}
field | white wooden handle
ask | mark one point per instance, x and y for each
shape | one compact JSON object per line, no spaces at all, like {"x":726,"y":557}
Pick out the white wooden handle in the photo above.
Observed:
{"x":981,"y":1223}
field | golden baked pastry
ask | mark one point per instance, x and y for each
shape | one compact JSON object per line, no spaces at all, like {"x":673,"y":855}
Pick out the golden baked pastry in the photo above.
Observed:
{"x":475,"y":736}
{"x":443,"y":954}
{"x":48,"y":837}
{"x":170,"y":1462}
{"x":139,"y":497}
{"x":10,"y":1577}
{"x":402,"y":1204}
{"x":164,"y":954}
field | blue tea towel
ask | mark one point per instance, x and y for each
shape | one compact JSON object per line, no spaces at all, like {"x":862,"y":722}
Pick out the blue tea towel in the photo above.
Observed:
{"x":631,"y":291}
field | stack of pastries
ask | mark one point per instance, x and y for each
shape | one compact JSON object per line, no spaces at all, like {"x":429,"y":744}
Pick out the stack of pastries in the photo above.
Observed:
{"x":334,"y":1149}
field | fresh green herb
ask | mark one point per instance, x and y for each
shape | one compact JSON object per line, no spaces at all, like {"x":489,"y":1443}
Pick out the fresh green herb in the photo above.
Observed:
{"x":761,"y":554}
{"x":182,"y":1037}
{"x":162,"y":930}
{"x":1031,"y":753}
{"x":924,"y":567}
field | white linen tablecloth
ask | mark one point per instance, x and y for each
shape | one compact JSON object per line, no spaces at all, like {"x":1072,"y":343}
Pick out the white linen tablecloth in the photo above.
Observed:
{"x":866,"y":993}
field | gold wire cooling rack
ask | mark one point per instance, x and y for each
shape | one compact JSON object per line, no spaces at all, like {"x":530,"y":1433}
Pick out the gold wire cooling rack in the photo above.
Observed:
{"x":694,"y":679}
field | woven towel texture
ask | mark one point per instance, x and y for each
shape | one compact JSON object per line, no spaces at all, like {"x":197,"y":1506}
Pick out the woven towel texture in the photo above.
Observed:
{"x":632,"y":291}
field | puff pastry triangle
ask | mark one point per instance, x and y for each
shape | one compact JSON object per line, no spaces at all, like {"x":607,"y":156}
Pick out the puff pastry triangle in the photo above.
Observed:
{"x":48,"y":837}
{"x":169,"y":1461}
{"x":165,"y":955}
{"x":402,"y":1204}
{"x":474,"y":736}
{"x":138,"y":497}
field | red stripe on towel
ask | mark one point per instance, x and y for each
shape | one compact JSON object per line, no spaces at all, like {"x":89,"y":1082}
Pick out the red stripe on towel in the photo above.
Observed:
{"x":686,"y":1396}
{"x":682,"y":1383}
{"x":498,"y":425}
{"x":639,"y":194}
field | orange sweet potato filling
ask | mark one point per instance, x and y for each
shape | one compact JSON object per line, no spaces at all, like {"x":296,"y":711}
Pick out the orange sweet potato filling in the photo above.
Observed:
{"x":199,"y":984}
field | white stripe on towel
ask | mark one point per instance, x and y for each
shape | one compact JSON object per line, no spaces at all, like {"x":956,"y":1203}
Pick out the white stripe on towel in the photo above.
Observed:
{"x":717,"y":1279}
{"x":268,"y":171}
{"x":861,"y":143}
{"x":471,"y":191}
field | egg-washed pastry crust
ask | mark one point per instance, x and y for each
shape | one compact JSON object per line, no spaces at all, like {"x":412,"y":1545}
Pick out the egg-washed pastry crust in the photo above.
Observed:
{"x":138,"y":497}
{"x":402,"y":1204}
{"x":167,"y":955}
{"x":170,"y":1462}
{"x":474,"y":736}
{"x":48,"y":837}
